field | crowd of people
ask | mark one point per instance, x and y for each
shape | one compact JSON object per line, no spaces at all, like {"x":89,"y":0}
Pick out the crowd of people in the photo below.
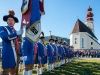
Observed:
{"x":87,"y":53}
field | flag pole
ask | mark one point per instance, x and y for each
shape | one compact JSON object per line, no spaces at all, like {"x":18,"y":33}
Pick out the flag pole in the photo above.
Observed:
{"x":19,"y":42}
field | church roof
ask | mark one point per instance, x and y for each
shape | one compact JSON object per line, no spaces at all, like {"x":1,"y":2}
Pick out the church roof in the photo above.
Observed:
{"x":81,"y":27}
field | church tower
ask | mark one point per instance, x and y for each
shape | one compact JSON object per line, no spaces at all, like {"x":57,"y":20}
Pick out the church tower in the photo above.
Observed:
{"x":89,"y":19}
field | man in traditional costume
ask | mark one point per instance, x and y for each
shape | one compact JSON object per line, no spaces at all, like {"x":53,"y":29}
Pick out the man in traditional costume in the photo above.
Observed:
{"x":9,"y":35}
{"x":50,"y":55}
{"x":41,"y":54}
{"x":45,"y":57}
{"x":66,"y":51}
{"x":63,"y":54}
{"x":59,"y":53}
{"x":27,"y":56}
{"x":69,"y":54}
{"x":55,"y":52}
{"x":35,"y":54}
{"x":72,"y":53}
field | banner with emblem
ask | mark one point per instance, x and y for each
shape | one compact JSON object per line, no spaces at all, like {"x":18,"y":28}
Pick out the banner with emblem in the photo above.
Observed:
{"x":31,"y":14}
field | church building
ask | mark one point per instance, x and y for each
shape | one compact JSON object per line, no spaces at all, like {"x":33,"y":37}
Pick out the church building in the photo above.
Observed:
{"x":82,"y":36}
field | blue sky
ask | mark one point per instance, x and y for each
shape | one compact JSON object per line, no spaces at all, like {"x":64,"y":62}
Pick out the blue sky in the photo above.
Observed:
{"x":60,"y":16}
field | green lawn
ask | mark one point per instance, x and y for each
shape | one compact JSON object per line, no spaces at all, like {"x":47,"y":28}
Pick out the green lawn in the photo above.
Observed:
{"x":78,"y":67}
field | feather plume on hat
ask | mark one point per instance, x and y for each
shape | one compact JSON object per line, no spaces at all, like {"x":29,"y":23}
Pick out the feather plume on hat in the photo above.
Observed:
{"x":42,"y":37}
{"x":51,"y":38}
{"x":11,"y":14}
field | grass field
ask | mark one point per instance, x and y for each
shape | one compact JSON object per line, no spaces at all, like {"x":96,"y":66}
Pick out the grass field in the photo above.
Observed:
{"x":78,"y":67}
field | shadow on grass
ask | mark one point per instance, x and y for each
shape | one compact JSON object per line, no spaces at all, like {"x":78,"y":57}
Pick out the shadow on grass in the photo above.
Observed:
{"x":77,"y":68}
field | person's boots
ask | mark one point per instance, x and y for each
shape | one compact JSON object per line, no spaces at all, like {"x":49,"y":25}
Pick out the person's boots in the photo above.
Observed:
{"x":5,"y":72}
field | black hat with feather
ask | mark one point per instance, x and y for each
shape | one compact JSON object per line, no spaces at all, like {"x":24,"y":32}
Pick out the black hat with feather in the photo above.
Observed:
{"x":56,"y":39}
{"x":60,"y":41}
{"x":51,"y":38}
{"x":64,"y":43}
{"x":11,"y":14}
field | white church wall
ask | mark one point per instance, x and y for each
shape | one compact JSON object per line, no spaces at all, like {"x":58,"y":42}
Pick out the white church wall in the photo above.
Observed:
{"x":91,"y":36}
{"x":82,"y":35}
{"x":98,"y":46}
{"x":74,"y":40}
{"x":87,"y":41}
{"x":95,"y":44}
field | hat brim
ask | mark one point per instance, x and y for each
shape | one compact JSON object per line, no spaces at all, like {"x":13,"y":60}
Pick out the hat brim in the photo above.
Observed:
{"x":42,"y":37}
{"x":10,"y":16}
{"x":64,"y":43}
{"x":56,"y":40}
{"x":51,"y":39}
{"x":60,"y":42}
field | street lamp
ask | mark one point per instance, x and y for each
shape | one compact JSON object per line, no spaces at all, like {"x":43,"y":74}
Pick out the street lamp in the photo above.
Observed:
{"x":50,"y":32}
